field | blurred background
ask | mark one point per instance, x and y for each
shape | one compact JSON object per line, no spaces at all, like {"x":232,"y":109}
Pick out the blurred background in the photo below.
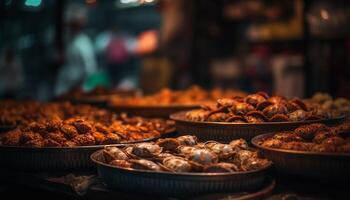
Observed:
{"x":285,"y":47}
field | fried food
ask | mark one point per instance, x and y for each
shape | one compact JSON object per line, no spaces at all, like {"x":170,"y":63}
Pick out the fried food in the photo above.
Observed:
{"x":173,"y":155}
{"x":257,"y":108}
{"x":313,"y":138}
{"x":80,"y":131}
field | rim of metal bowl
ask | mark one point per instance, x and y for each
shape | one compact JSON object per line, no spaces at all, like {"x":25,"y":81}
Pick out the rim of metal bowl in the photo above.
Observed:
{"x":178,"y":174}
{"x":160,"y":106}
{"x":170,"y":131}
{"x":181,"y":117}
{"x":255,"y":141}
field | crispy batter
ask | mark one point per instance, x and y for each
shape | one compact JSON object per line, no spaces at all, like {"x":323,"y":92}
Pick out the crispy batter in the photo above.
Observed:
{"x":257,"y":108}
{"x":99,"y":137}
{"x":69,"y":131}
{"x":313,"y":137}
{"x":84,"y":140}
{"x":52,"y":125}
{"x":82,"y":126}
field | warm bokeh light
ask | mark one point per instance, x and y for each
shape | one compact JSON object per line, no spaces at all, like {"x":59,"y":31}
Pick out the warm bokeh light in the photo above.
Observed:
{"x":147,"y":42}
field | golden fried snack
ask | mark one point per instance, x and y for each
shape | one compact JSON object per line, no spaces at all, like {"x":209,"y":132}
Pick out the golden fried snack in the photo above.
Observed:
{"x":313,"y":137}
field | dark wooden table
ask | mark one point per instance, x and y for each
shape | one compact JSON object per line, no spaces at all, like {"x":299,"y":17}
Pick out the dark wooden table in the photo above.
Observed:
{"x":61,"y":186}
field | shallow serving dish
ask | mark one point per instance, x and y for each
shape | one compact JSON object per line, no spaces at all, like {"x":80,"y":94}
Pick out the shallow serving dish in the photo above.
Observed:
{"x":54,"y":158}
{"x":176,"y":184}
{"x":227,"y":131}
{"x":162,"y":111}
{"x":314,"y":165}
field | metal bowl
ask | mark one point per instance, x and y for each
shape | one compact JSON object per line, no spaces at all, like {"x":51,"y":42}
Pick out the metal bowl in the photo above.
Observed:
{"x":54,"y":158}
{"x":227,"y":131}
{"x":314,"y":165}
{"x":157,"y":111}
{"x":176,"y":184}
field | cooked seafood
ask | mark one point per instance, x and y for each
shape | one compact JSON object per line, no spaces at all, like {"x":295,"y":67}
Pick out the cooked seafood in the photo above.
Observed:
{"x":81,"y":131}
{"x":314,"y":138}
{"x":211,"y":156}
{"x":257,"y":108}
{"x":324,"y":102}
{"x":194,"y":95}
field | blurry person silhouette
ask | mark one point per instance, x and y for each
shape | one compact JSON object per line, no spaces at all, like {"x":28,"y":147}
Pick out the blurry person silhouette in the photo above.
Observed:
{"x":79,"y":58}
{"x":11,"y":74}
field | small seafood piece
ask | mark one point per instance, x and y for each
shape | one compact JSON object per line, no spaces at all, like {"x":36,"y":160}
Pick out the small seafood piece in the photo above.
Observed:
{"x":241,"y":108}
{"x":69,"y":130}
{"x":33,"y":143}
{"x":186,"y":150}
{"x":197,"y":115}
{"x":287,"y":136}
{"x":168,"y":144}
{"x":160,"y":157}
{"x":218,"y":117}
{"x":82,"y":126}
{"x":226,"y":102}
{"x":254,"y":164}
{"x":307,"y":132}
{"x":29,"y":136}
{"x":188,"y":140}
{"x":324,"y":148}
{"x":243,"y":156}
{"x":274,"y":109}
{"x":255,"y":117}
{"x":335,"y":140}
{"x":320,"y":136}
{"x":84,"y":140}
{"x":121,"y":163}
{"x":146,"y":150}
{"x":177,"y":164}
{"x":203,"y":156}
{"x":112,"y":138}
{"x":99,"y":137}
{"x":343,"y":129}
{"x":224,"y":151}
{"x":255,"y":99}
{"x":297,"y":115}
{"x":277,"y":99}
{"x":53,"y":143}
{"x":239,"y":144}
{"x":297,"y":146}
{"x":299,"y":104}
{"x":114,"y":153}
{"x":145,"y":165}
{"x":272,"y":143}
{"x":262,"y":105}
{"x":37,"y":127}
{"x":221,"y":167}
{"x":279,"y":118}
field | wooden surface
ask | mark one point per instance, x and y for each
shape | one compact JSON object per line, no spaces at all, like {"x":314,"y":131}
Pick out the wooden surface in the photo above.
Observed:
{"x":56,"y":187}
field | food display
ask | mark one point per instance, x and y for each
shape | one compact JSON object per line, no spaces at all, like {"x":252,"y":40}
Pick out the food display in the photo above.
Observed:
{"x":65,"y":124}
{"x":79,"y":131}
{"x":312,"y":138}
{"x":257,"y":108}
{"x":186,"y":154}
{"x":166,"y":97}
{"x":337,"y":106}
{"x":79,"y":94}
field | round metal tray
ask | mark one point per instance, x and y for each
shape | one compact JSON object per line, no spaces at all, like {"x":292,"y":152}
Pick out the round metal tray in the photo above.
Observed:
{"x":161,"y":111}
{"x":314,"y":165}
{"x":54,"y":158}
{"x":176,"y":184}
{"x":226,"y":131}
